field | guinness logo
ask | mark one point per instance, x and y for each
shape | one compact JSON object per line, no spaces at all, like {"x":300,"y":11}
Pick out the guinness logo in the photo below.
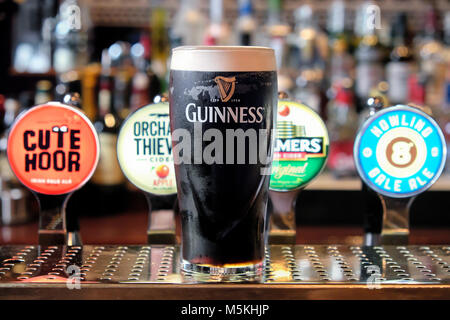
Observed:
{"x":226,"y":87}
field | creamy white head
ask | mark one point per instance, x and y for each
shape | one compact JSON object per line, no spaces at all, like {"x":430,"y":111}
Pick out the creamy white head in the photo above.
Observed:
{"x":222,"y":59}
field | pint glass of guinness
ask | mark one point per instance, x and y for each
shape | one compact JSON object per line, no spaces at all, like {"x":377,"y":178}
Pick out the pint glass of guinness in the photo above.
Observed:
{"x":222,"y":110}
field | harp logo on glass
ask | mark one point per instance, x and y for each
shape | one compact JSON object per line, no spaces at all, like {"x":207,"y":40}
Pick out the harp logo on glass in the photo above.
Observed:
{"x":226,"y":87}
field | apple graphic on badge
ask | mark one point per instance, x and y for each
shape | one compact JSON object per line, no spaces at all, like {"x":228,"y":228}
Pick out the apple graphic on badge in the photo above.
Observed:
{"x":162,"y":171}
{"x":284,"y":112}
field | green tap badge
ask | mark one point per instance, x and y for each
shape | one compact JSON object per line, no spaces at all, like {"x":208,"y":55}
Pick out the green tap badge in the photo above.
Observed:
{"x":144,"y":149}
{"x":301,"y":147}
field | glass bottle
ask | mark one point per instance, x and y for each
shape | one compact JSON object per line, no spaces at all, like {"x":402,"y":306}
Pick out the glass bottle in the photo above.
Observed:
{"x":342,"y":125}
{"x":399,"y":67}
{"x":277,"y":31}
{"x":218,"y":32}
{"x":369,"y":54}
{"x":309,"y":58}
{"x":246,"y":24}
{"x":108,"y":180}
{"x":189,"y":24}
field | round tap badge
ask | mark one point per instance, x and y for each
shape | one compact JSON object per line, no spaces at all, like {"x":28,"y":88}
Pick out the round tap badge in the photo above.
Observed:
{"x":301,"y":146}
{"x":400,"y":151}
{"x":53,"y":148}
{"x":144,"y":149}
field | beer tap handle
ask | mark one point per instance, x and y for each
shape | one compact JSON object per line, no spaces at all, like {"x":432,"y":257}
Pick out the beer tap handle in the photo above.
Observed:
{"x":155,"y":176}
{"x":398,"y":162}
{"x":395,"y":220}
{"x":60,"y":160}
{"x":161,"y":225}
{"x":73,"y":227}
{"x":300,"y":153}
{"x":73,"y":238}
{"x":282,"y":220}
{"x":373,"y":216}
{"x":52,"y":219}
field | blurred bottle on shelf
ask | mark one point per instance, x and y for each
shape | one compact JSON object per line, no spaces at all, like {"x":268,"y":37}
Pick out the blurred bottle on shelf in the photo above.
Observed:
{"x":66,"y":82}
{"x":246,"y":25}
{"x":189,"y":25}
{"x":108,"y":182}
{"x":369,"y":54}
{"x":218,"y":31}
{"x":445,"y":123}
{"x":342,"y":126}
{"x":33,"y":29}
{"x":71,"y":37}
{"x":417,"y":89}
{"x":444,"y":114}
{"x":277,"y":31}
{"x":62,"y":86}
{"x":446,"y":28}
{"x":445,"y":101}
{"x":119,"y":53}
{"x":105,"y":86}
{"x":341,"y":62}
{"x":14,"y":197}
{"x":89,"y":84}
{"x":140,"y":81}
{"x":160,"y":45}
{"x":42,"y":58}
{"x":309,"y":59}
{"x":399,"y":67}
{"x":43,"y":92}
{"x":380,"y":91}
{"x":429,"y":52}
{"x":144,"y":64}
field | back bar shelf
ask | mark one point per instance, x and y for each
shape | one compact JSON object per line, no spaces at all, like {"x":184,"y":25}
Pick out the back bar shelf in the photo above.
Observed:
{"x":290,"y":272}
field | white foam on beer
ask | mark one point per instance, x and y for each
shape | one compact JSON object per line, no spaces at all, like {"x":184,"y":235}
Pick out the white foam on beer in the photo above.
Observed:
{"x":221,"y":58}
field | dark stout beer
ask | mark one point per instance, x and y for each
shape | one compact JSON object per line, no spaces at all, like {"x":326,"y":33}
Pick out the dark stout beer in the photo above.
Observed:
{"x":222,"y":108}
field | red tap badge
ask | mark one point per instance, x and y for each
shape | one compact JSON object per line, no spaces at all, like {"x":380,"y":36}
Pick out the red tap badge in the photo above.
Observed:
{"x":53,"y":148}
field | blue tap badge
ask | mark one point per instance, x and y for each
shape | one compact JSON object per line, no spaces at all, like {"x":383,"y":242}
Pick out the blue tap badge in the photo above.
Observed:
{"x":400,"y":151}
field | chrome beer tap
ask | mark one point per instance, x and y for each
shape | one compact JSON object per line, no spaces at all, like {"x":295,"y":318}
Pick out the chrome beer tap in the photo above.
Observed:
{"x":373,"y":212}
{"x":300,"y":153}
{"x":399,"y":152}
{"x":53,"y":149}
{"x":152,"y":174}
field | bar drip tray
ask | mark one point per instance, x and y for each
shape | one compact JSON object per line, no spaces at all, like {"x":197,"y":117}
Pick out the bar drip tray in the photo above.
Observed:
{"x":27,"y":270}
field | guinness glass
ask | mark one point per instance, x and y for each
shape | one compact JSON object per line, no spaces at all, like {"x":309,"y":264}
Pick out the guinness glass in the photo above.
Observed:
{"x":222,"y":110}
